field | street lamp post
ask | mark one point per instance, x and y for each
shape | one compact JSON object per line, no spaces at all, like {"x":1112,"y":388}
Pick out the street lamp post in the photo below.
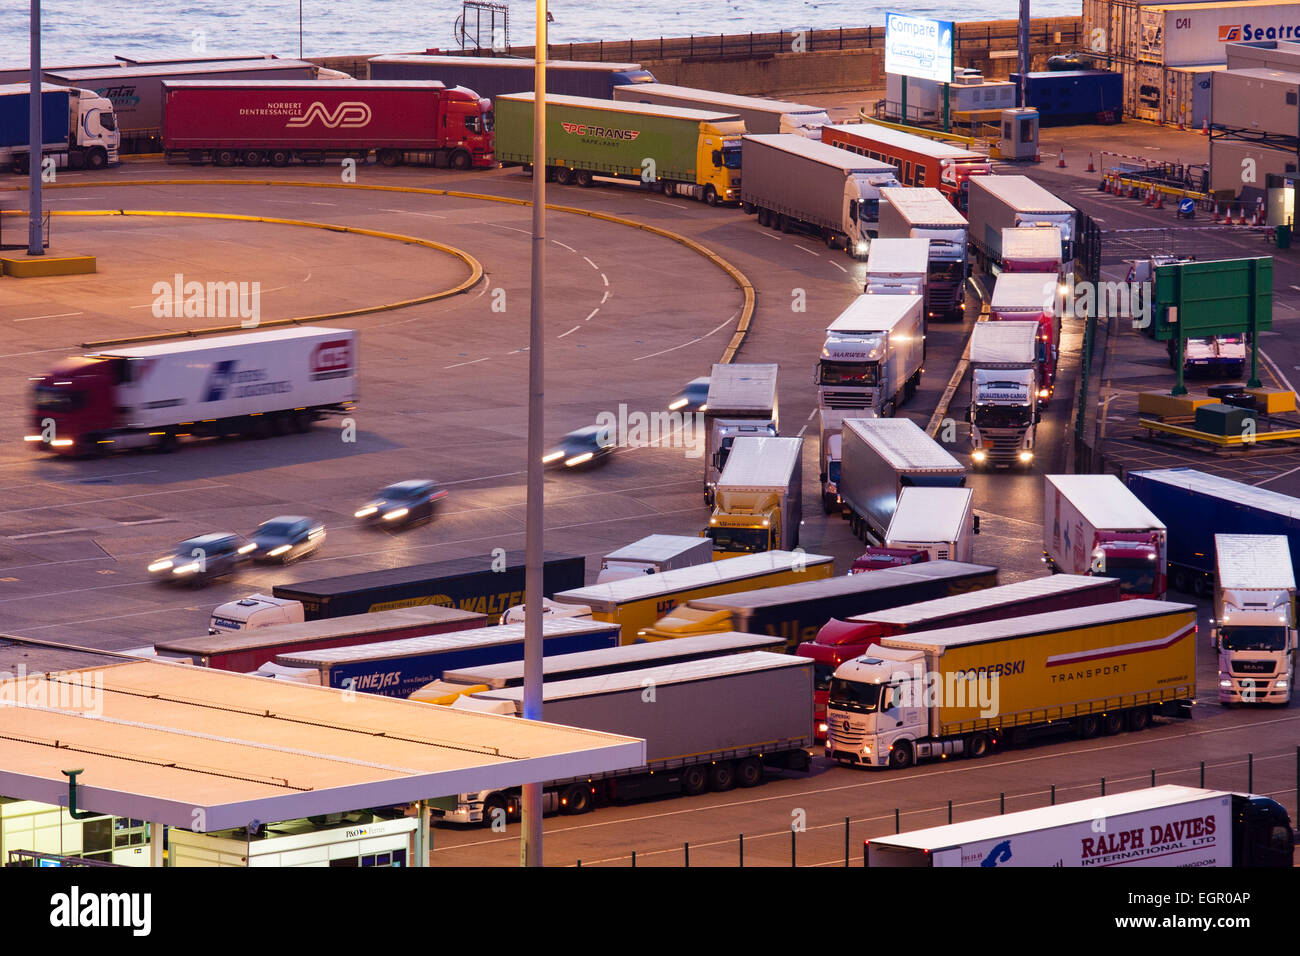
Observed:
{"x":35,"y":134}
{"x":530,"y":850}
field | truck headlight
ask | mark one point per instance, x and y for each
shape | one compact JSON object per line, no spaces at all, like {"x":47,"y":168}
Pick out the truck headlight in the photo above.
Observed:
{"x":1225,"y":684}
{"x":1026,"y":456}
{"x":1281,"y":684}
{"x":861,"y":248}
{"x":979,"y":455}
{"x":822,"y":728}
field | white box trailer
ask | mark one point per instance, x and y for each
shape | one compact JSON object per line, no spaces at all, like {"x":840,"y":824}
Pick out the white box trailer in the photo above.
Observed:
{"x":1159,"y":826}
{"x":872,"y":356}
{"x":796,"y":183}
{"x":759,"y":498}
{"x":1005,"y":202}
{"x":1093,"y":524}
{"x":1031,"y":249}
{"x":741,"y":402}
{"x":1254,"y":629}
{"x":937,"y":520}
{"x":652,"y":554}
{"x":1004,"y":392}
{"x":149,"y":395}
{"x":1194,"y":34}
{"x":761,"y":115}
{"x":714,"y":723}
{"x":883,"y":457}
{"x":924,"y":213}
{"x":897,"y":267}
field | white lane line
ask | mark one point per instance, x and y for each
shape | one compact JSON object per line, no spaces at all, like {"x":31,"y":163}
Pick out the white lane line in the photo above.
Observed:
{"x":563,"y":246}
{"x":322,"y":203}
{"x":593,"y":312}
{"x":1277,"y":371}
{"x":676,"y":347}
{"x":838,"y":266}
{"x":812,"y":414}
{"x":526,"y":232}
{"x":459,"y":364}
{"x":96,"y":501}
{"x":570,"y":332}
{"x":592,"y":264}
{"x":43,"y":534}
{"x":131,"y":524}
{"x":604,"y":298}
{"x":662,"y":203}
{"x":1275,"y":477}
{"x":802,"y":428}
{"x":807,"y":250}
{"x":54,"y":315}
{"x":605,"y":279}
{"x":770,"y":236}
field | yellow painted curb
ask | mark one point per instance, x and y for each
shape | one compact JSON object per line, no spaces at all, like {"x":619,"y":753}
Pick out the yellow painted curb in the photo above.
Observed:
{"x":30,"y":268}
{"x":741,"y":280}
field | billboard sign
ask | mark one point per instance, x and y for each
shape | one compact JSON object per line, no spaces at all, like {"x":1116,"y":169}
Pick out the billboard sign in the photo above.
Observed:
{"x":918,"y":47}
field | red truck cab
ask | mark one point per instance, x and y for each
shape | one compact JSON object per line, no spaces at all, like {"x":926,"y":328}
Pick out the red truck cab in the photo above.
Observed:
{"x":838,"y":641}
{"x":73,"y":404}
{"x":873,"y":559}
{"x":469,"y":122}
{"x":1135,"y":557}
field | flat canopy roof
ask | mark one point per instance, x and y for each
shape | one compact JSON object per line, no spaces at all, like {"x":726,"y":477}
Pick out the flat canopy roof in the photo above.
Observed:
{"x":210,"y":750}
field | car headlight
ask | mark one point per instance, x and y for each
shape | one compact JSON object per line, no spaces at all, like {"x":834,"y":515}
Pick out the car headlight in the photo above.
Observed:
{"x":553,"y":456}
{"x":579,"y":459}
{"x":396,"y":513}
{"x":61,"y":442}
{"x":276,"y":552}
{"x":366,"y":512}
{"x":162,"y":565}
{"x":680,"y":403}
{"x":251,"y":546}
{"x":186,"y":568}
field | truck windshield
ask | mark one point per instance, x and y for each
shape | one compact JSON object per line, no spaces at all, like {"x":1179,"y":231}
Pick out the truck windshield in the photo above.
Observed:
{"x":1136,"y":575}
{"x":1254,"y":638}
{"x":1003,"y":416}
{"x":855,"y":696}
{"x":749,"y":540}
{"x":945,"y":271}
{"x":731,"y":157}
{"x":472,"y":123}
{"x":868,"y":210}
{"x":849,"y":373}
{"x":58,"y":399}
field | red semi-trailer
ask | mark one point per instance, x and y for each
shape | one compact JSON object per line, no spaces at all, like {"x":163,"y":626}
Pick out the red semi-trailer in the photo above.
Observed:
{"x":274,"y":121}
{"x":842,"y":640}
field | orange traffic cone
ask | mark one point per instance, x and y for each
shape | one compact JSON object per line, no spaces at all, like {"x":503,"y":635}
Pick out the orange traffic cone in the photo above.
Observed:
{"x":1091,"y":169}
{"x":1205,"y":127}
{"x":1218,"y":212}
{"x":1241,"y":216}
{"x":1150,"y":197}
{"x":1180,"y":122}
{"x":1060,"y":162}
{"x":1037,"y":155}
{"x":1160,"y":201}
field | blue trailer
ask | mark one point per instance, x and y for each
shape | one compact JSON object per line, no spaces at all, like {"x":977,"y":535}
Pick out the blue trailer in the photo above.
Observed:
{"x":1067,"y":97}
{"x":400,"y":668}
{"x":15,"y":109}
{"x":491,"y":77}
{"x":1196,"y":506}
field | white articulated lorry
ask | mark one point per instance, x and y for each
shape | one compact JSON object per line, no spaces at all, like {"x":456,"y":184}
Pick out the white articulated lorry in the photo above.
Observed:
{"x":652,"y":554}
{"x":761,"y":115}
{"x":714,"y":724}
{"x":872,"y":358}
{"x":1159,"y":826}
{"x":938,"y":521}
{"x":1004,"y":390}
{"x":759,"y":498}
{"x":792,"y":182}
{"x":1009,"y":202}
{"x":1254,"y":629}
{"x":882,"y":458}
{"x":908,"y":212}
{"x":741,"y":402}
{"x":150,"y":396}
{"x":897,"y":267}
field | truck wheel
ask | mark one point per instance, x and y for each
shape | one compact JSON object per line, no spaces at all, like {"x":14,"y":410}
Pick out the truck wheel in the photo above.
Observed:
{"x":576,"y":799}
{"x":833,"y":241}
{"x":710,"y":195}
{"x":749,"y":772}
{"x":1139,"y":719}
{"x":761,"y":214}
{"x":167,"y":443}
{"x":1087,"y":726}
{"x":583,"y":178}
{"x":280,"y":157}
{"x":747,"y":208}
{"x":900,"y":755}
{"x":783,"y":223}
{"x":1201,"y":586}
{"x":826,"y":504}
{"x":281,"y":423}
{"x":722,"y":776}
{"x":460,"y":160}
{"x":387,"y":157}
{"x":302,"y":421}
{"x":694,"y":780}
{"x":96,"y":159}
{"x":1112,"y":723}
{"x":224,"y":157}
{"x":1180,"y":581}
{"x":563,"y":175}
{"x":253,"y":157}
{"x":491,"y":805}
{"x":978,"y":746}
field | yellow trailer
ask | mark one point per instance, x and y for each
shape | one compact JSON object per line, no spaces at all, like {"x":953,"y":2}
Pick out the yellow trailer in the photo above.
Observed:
{"x":637,"y":603}
{"x":962,"y":690}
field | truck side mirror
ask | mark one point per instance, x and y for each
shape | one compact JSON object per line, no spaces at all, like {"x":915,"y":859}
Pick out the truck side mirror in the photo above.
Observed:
{"x":976,"y":523}
{"x":822,"y":477}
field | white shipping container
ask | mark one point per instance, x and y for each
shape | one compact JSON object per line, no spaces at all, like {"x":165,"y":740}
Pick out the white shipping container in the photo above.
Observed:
{"x":937,"y":520}
{"x":1194,"y":34}
{"x":1186,"y":96}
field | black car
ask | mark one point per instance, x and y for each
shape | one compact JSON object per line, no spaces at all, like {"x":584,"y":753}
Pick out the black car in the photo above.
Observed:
{"x":200,"y":560}
{"x":693,"y":397}
{"x":286,"y":538}
{"x":403,"y":504}
{"x":584,"y":447}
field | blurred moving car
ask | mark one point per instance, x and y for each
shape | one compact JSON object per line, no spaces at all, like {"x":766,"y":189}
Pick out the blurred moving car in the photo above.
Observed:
{"x":550,"y":611}
{"x":585,"y":446}
{"x":202,"y":559}
{"x":404,"y":503}
{"x":693,"y":397}
{"x":286,"y":538}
